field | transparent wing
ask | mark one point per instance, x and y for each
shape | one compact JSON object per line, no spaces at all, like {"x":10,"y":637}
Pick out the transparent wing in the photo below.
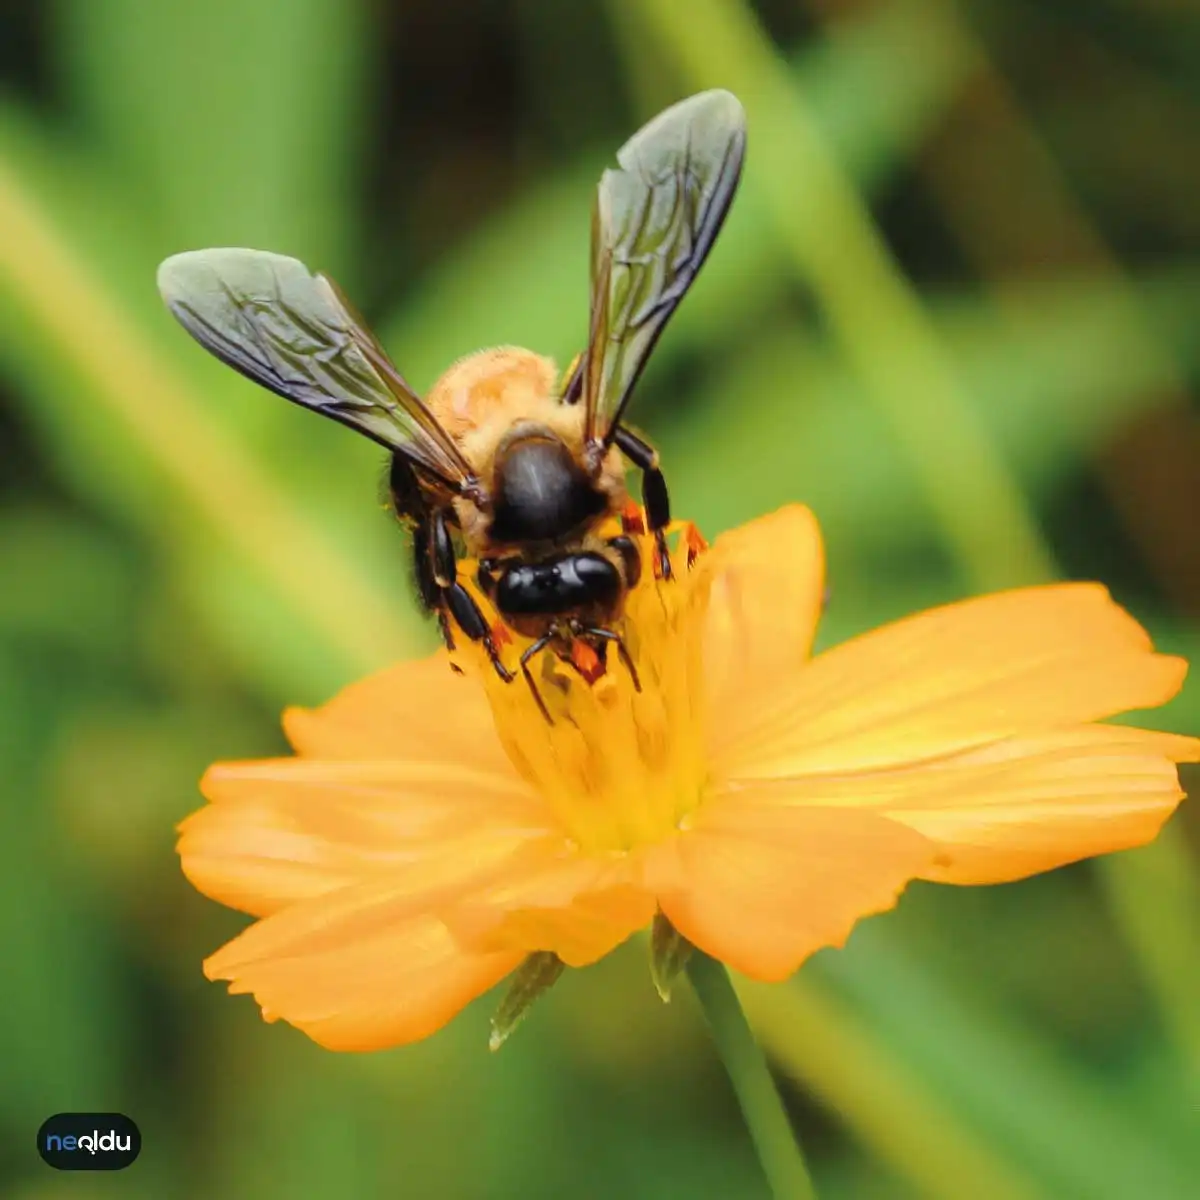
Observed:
{"x":656,"y":218}
{"x":293,"y":332}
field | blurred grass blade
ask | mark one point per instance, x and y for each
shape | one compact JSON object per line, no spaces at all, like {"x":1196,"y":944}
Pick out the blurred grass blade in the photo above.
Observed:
{"x":237,"y":123}
{"x":870,"y":106}
{"x":819,"y":1042}
{"x":1048,"y":375}
{"x":104,"y":379}
{"x":826,"y":229}
{"x":63,"y":1030}
{"x":1154,"y":896}
{"x":1084,"y":1134}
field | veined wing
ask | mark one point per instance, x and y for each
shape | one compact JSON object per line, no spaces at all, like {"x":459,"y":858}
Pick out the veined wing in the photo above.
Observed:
{"x":269,"y":317}
{"x":656,"y":218}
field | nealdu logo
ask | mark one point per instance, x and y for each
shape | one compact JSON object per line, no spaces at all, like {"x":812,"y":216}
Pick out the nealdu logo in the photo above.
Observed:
{"x":89,"y":1141}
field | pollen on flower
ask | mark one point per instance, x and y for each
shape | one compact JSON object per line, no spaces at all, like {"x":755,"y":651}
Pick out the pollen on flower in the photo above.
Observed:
{"x":633,"y":521}
{"x":587,"y":662}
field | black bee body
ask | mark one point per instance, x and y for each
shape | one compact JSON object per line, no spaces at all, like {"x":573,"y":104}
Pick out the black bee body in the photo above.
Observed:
{"x":550,"y":579}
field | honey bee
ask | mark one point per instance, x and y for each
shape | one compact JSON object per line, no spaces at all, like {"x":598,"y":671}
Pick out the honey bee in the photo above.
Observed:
{"x":503,"y":462}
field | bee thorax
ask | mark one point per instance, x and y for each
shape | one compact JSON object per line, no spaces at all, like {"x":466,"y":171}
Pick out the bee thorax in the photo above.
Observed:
{"x":540,"y":493}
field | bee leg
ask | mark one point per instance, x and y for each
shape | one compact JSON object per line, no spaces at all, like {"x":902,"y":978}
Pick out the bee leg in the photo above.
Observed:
{"x":428,"y":591}
{"x":532,"y":649}
{"x":607,"y":635}
{"x":427,"y":588}
{"x":456,"y":599}
{"x":471,"y":621}
{"x":654,"y":491}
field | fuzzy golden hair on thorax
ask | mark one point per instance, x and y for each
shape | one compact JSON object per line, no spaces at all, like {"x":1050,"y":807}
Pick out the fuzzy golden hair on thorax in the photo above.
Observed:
{"x":502,"y":384}
{"x":483,"y":396}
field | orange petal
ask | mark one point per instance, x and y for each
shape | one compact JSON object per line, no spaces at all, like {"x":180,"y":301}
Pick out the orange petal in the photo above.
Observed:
{"x":951,"y":679}
{"x":1031,"y":804}
{"x":413,"y":710}
{"x":357,"y":969}
{"x":283,"y":830}
{"x":765,"y":583}
{"x":578,"y":906}
{"x":764,"y":886}
{"x":1019,"y":806}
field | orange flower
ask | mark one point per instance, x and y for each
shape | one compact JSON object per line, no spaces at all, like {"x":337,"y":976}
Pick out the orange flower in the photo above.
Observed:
{"x":433,"y":830}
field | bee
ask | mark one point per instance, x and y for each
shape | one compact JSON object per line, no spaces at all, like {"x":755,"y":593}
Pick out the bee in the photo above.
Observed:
{"x":502,"y":462}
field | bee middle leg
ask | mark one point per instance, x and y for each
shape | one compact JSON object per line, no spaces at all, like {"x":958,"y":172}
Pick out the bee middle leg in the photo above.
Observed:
{"x":655,"y":498}
{"x":442,"y":567}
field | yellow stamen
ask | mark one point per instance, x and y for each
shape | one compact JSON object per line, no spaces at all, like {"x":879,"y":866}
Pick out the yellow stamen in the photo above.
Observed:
{"x":619,"y":767}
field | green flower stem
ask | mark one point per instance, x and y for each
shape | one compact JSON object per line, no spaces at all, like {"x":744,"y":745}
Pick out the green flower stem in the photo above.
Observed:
{"x":770,"y":1129}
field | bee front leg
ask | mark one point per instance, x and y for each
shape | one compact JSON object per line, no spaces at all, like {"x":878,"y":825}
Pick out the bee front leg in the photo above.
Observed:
{"x":458,"y":601}
{"x":655,"y":499}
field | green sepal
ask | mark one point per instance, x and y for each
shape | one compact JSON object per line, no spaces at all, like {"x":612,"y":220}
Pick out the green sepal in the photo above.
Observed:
{"x":537,"y":974}
{"x":669,"y":953}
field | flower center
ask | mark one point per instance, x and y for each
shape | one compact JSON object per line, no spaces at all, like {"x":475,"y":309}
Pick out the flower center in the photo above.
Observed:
{"x":619,"y":766}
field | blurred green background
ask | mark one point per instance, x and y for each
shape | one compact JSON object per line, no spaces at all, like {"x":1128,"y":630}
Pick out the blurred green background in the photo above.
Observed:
{"x":954,"y":309}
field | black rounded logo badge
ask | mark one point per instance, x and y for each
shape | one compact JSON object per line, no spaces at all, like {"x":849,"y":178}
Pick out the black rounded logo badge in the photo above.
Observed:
{"x":88,"y":1141}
